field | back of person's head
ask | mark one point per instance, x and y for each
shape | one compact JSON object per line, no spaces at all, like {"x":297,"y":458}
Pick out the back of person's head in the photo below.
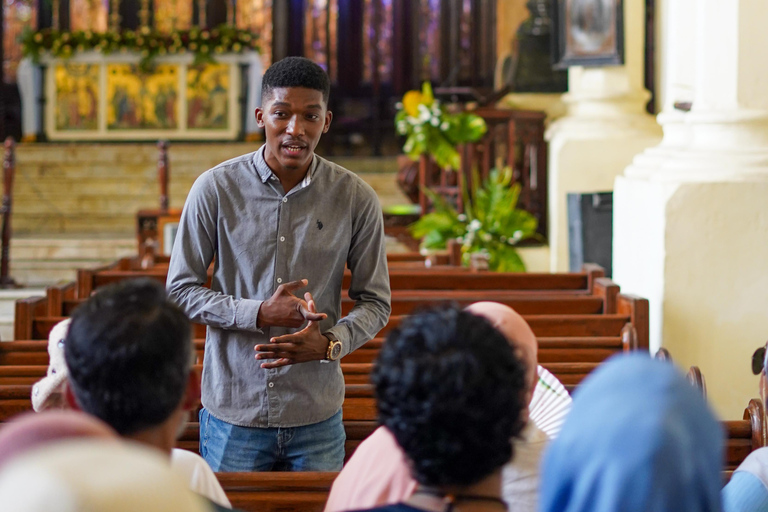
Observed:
{"x":129,"y":353}
{"x":517,"y":331}
{"x":451,"y":390}
{"x":295,"y":72}
{"x":638,"y":438}
{"x":31,"y":430}
{"x":95,"y":476}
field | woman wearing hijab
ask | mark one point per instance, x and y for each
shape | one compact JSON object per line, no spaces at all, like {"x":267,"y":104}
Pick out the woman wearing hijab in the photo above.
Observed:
{"x":639,"y":438}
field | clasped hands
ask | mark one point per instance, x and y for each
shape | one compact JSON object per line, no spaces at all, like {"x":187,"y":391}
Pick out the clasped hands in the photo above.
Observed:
{"x":284,"y":309}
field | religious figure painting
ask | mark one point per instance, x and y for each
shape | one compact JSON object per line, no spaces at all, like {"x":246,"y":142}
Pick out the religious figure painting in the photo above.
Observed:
{"x":588,"y":33}
{"x":137,"y":100}
{"x":77,"y":96}
{"x":208,"y":97}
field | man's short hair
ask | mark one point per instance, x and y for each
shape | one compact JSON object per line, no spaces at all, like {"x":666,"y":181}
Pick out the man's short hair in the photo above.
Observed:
{"x":295,"y":72}
{"x":451,"y":390}
{"x":129,"y":352}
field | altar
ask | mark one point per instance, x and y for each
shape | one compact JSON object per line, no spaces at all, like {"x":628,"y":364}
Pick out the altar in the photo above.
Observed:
{"x":97,"y":97}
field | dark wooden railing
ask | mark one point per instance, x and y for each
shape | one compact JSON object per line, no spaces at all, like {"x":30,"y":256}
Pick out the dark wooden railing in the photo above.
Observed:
{"x":9,"y":169}
{"x":514,"y":138}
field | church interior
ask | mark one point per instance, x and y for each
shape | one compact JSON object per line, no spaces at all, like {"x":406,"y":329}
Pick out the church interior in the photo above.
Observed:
{"x":627,"y":139}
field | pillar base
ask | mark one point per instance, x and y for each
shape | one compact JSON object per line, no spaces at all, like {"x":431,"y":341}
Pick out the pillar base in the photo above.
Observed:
{"x":698,"y":251}
{"x":586,"y":154}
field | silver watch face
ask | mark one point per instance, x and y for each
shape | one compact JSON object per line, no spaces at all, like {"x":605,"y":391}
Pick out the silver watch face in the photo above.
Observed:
{"x":335,"y":350}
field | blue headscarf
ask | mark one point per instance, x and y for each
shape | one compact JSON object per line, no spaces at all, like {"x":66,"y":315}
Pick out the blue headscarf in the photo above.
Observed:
{"x":639,"y":438}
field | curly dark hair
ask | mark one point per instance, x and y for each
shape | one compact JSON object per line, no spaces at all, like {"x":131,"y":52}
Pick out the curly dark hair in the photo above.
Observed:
{"x":451,"y":390}
{"x":129,"y":353}
{"x":295,"y":72}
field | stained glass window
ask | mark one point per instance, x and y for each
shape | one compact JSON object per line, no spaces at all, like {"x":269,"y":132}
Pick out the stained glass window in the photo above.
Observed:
{"x":88,"y":15}
{"x":256,"y":15}
{"x":17,"y":14}
{"x":379,"y":34}
{"x":320,"y":22}
{"x":465,"y":40}
{"x":173,"y":15}
{"x":429,"y":38}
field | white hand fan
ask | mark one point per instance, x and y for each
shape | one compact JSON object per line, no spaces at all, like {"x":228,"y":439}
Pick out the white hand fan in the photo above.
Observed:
{"x":550,"y":404}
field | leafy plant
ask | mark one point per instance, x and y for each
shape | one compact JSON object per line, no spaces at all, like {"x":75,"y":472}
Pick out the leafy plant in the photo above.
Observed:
{"x":491,"y":223}
{"x":203,"y":44}
{"x":431,"y":129}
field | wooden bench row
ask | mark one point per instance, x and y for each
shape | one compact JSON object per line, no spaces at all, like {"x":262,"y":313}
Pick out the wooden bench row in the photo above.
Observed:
{"x":595,"y":294}
{"x":632,"y":310}
{"x":551,"y":349}
{"x":570,"y":374}
{"x":401,"y":278}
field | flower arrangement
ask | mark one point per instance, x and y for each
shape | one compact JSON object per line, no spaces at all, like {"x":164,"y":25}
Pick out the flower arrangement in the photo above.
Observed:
{"x":491,"y":223}
{"x":204,"y":44}
{"x":433,"y":130}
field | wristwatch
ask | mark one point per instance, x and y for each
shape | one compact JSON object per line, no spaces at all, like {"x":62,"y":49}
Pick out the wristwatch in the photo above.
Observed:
{"x":334,"y":348}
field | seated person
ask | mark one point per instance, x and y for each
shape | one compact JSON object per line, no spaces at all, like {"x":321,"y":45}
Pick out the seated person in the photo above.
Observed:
{"x":747,"y":491}
{"x":452,"y":392}
{"x":377,"y":473}
{"x":29,"y":431}
{"x":95,"y":475}
{"x":132,"y":352}
{"x":638,"y":438}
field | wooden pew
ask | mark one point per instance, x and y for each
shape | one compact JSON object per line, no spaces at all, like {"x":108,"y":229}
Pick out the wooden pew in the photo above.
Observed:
{"x":746,"y":435}
{"x":569,"y":373}
{"x":278,"y":492}
{"x":543,"y":325}
{"x":451,"y":278}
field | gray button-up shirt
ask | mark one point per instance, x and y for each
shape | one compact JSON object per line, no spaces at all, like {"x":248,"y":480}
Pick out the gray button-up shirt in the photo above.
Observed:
{"x":262,"y":237}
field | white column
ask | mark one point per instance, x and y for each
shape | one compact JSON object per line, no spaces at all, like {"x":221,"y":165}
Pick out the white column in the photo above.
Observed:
{"x":691,"y":214}
{"x":605,"y":127}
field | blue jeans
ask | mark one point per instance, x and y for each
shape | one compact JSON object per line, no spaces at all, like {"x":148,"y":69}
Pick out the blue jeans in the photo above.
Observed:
{"x":316,"y":447}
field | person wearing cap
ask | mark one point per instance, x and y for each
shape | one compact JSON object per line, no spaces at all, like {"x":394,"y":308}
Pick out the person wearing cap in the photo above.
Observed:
{"x":132,"y":351}
{"x":48,"y":393}
{"x":747,"y":490}
{"x":378,"y":473}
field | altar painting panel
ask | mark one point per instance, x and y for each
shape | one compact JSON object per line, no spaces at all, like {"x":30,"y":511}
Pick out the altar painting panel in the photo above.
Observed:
{"x":208,"y":97}
{"x":88,"y":15}
{"x":77,"y":96}
{"x":139,"y":101}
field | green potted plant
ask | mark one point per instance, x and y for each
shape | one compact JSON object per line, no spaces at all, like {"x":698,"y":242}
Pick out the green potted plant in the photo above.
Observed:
{"x":431,"y":129}
{"x":491,"y":225}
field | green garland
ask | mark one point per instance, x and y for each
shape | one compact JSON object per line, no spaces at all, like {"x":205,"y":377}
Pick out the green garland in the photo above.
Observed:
{"x":204,"y":44}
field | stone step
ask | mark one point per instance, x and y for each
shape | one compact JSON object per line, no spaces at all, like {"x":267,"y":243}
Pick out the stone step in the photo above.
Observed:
{"x":42,"y":261}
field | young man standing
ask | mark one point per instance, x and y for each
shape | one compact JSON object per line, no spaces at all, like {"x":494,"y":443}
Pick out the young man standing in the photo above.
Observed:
{"x":275,"y":221}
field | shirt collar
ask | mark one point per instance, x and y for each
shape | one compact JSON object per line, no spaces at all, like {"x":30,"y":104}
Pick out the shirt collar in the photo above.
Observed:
{"x":266,"y":174}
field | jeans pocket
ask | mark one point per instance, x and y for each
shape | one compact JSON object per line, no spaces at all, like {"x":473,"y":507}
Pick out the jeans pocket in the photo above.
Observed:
{"x":203,"y":419}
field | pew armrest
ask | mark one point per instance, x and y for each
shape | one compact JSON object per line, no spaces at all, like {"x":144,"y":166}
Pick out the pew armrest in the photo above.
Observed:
{"x":607,"y":290}
{"x":637,"y":309}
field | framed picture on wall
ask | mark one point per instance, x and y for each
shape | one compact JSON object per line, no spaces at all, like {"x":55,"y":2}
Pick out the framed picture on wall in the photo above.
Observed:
{"x":587,"y":33}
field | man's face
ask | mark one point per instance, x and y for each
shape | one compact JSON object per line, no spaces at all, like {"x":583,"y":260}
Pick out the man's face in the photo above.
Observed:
{"x":293,"y":119}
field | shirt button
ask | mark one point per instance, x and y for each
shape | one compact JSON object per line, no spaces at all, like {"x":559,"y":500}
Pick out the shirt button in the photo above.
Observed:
{"x":279,"y":280}
{"x":285,"y":199}
{"x":271,"y":384}
{"x":282,"y":239}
